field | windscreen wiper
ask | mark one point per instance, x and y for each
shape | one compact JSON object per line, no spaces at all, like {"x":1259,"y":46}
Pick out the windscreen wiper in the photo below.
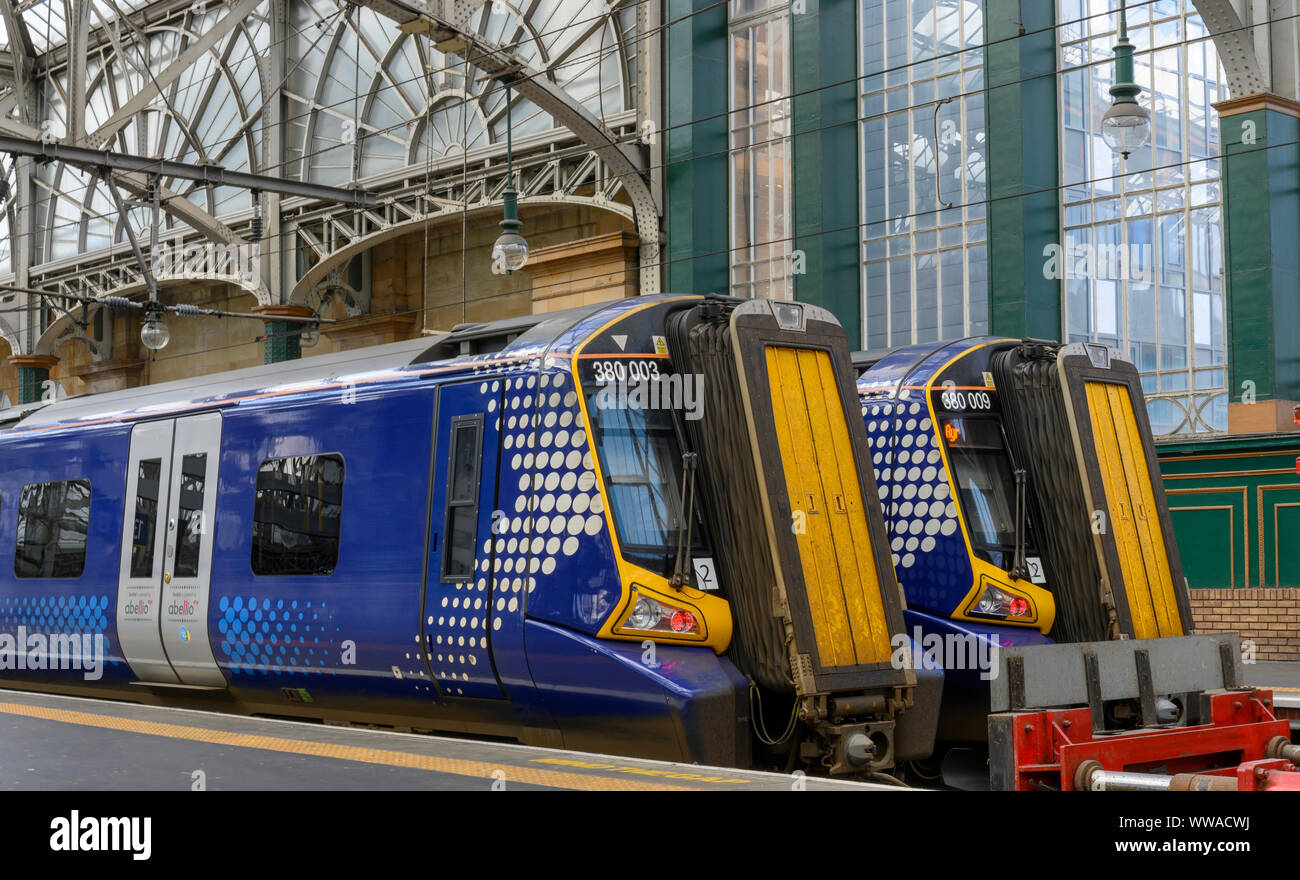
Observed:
{"x":1019,"y":567}
{"x":682,"y":568}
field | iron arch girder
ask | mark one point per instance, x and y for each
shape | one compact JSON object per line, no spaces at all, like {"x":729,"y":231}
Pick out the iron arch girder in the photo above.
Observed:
{"x":1235,"y":46}
{"x":448,"y":24}
{"x":11,"y":335}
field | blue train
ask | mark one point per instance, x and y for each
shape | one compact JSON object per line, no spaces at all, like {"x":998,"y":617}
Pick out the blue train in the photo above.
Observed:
{"x":647,"y":527}
{"x":1024,"y":506}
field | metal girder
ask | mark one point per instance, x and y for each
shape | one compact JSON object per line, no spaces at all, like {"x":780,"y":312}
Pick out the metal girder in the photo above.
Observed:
{"x":209,"y":175}
{"x":20,"y":47}
{"x":78,"y":54}
{"x":134,"y":182}
{"x":337,"y":237}
{"x":447,"y":23}
{"x":156,"y":83}
{"x":1236,"y":47}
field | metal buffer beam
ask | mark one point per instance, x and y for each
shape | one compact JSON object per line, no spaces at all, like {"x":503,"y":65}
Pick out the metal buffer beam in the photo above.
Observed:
{"x":447,"y":23}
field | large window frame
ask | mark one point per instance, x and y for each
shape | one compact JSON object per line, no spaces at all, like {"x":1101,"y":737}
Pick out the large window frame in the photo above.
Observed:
{"x":760,"y":161}
{"x":924,"y":265}
{"x":1168,"y":221}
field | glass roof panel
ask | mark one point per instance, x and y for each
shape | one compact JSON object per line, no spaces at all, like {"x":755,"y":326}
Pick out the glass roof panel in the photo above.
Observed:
{"x":47,"y":20}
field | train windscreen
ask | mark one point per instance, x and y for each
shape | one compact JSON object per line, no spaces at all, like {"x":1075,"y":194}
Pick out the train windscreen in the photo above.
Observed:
{"x":641,"y":459}
{"x":986,"y":484}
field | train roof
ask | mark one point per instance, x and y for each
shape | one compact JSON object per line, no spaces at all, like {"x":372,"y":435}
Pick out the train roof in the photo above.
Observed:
{"x":465,"y":345}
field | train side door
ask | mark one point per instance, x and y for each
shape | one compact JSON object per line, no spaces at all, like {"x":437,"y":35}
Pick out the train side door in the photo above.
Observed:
{"x":187,"y":560}
{"x":166,"y":560}
{"x":457,"y":619}
{"x":139,"y":586}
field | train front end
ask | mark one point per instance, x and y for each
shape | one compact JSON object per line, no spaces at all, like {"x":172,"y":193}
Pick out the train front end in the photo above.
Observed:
{"x":728,"y":444}
{"x":1032,"y":538}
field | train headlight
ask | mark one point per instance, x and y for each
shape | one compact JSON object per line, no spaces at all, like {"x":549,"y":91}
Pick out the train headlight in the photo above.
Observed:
{"x":645,"y":614}
{"x":654,"y":615}
{"x":789,"y":316}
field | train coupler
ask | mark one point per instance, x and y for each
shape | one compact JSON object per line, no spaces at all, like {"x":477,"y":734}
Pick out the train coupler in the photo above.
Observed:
{"x":858,"y":748}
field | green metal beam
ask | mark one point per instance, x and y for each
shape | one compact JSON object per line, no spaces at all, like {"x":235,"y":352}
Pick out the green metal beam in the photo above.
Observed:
{"x":824,"y":49}
{"x":1023,"y":153}
{"x":696,"y":173}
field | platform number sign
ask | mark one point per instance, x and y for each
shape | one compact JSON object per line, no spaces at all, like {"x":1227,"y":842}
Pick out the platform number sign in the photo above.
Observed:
{"x":706,"y":573}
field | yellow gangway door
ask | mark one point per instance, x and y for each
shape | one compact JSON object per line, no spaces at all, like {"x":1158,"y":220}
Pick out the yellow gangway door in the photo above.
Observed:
{"x":829,"y":520}
{"x":1133,"y":515}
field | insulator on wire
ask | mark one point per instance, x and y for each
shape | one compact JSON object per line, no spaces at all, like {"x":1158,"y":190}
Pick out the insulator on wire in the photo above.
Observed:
{"x":255,"y":228}
{"x":117,"y":302}
{"x":186,"y":310}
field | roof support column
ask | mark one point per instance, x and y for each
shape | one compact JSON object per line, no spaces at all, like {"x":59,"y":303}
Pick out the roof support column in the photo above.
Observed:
{"x":1261,"y":204}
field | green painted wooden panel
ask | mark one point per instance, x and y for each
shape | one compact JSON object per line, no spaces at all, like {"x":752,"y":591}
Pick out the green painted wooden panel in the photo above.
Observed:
{"x":1288,"y":559}
{"x":1254,"y":478}
{"x":1206,"y":540}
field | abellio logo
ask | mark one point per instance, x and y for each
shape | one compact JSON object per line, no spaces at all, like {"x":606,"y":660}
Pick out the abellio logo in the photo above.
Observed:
{"x":184,"y":608}
{"x":142,"y":606}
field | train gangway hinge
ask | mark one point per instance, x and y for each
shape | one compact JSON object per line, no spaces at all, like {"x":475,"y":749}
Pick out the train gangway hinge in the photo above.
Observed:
{"x":1241,"y":746}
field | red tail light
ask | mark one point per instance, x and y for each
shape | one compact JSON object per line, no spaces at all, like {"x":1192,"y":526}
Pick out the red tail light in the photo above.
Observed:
{"x":683,"y":621}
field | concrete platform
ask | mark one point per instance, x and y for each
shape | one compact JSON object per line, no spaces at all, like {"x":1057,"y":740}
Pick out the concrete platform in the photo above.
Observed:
{"x":73,"y":744}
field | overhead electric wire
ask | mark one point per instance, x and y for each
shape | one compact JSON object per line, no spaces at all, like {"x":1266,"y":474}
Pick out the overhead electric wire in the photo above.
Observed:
{"x":727,"y":251}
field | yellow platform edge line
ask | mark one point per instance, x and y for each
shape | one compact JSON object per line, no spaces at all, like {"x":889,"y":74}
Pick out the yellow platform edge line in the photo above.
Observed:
{"x":477,"y":769}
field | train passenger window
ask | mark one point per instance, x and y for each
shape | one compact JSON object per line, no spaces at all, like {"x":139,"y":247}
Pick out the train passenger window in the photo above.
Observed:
{"x":146,"y":517}
{"x":189,"y":538}
{"x":296,"y":515}
{"x":53,"y":522}
{"x":462,"y":497}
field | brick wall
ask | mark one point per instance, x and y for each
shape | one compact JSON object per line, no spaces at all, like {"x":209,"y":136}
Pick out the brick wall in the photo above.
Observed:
{"x":1268,"y":616}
